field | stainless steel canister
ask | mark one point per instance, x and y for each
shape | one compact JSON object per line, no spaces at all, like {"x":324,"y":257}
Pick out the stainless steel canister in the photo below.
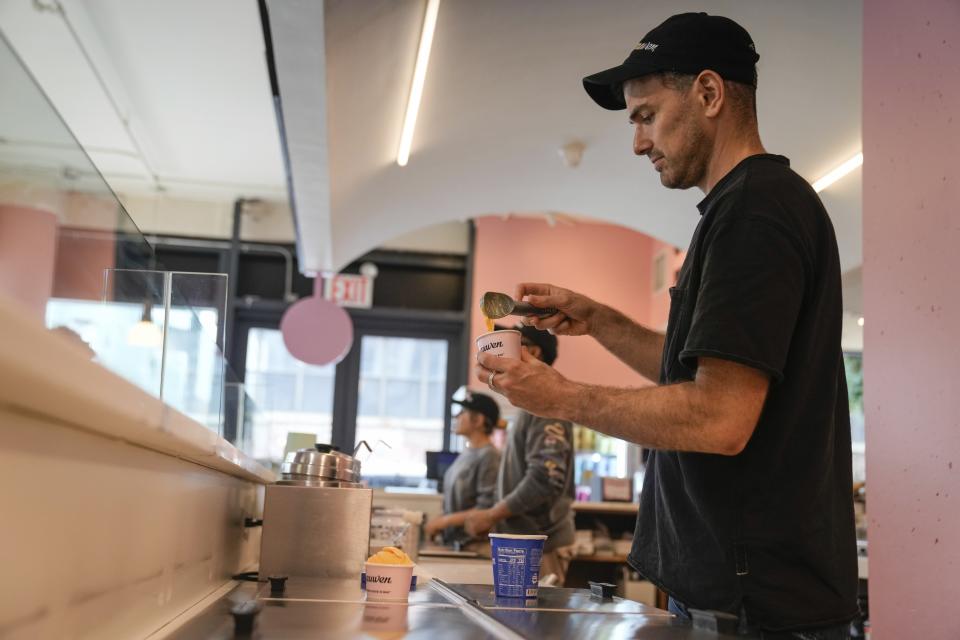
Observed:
{"x":316,"y":518}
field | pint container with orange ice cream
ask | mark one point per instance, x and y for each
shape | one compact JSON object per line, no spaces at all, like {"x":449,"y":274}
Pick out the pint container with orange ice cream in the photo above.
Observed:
{"x":388,"y":575}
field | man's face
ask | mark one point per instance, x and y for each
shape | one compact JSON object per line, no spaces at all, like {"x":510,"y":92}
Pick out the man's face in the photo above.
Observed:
{"x":465,"y":422}
{"x":668,"y":129}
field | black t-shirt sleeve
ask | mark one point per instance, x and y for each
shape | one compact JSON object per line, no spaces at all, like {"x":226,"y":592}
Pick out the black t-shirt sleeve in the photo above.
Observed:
{"x":751,"y":289}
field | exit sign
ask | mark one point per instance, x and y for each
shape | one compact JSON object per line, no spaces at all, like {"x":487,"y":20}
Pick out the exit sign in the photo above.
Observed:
{"x":349,"y":290}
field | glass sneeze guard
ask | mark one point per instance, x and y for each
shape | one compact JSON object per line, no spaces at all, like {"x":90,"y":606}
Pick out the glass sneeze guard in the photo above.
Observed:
{"x":71,"y":257}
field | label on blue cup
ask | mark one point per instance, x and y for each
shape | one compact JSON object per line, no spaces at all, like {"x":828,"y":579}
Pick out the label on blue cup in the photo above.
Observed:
{"x":516,"y":564}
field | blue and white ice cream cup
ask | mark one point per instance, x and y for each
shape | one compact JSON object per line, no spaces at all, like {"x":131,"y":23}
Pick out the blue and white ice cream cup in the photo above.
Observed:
{"x":516,"y":564}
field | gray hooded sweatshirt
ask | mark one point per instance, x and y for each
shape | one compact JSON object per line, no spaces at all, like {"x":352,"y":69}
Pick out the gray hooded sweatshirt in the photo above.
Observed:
{"x":536,"y":479}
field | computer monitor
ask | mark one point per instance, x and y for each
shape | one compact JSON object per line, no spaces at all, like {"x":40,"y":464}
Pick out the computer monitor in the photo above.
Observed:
{"x":437,"y":464}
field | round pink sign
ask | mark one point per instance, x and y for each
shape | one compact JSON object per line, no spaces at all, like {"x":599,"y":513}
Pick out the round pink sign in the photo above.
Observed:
{"x":317,"y":331}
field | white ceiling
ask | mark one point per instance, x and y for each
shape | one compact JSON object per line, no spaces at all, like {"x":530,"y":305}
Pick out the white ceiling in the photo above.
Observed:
{"x":175,"y":94}
{"x":502,"y":94}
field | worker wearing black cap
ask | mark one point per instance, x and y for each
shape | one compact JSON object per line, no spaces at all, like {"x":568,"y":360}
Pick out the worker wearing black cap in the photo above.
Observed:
{"x":542,"y":345}
{"x":746,"y":505}
{"x":471,"y":481}
{"x":535,"y":486}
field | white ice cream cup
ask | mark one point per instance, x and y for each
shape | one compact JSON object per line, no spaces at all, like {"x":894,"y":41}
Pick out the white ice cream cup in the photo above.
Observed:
{"x":388,"y":581}
{"x":503,"y":344}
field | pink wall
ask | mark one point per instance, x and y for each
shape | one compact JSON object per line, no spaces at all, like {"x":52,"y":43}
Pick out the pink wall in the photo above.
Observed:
{"x":82,"y":257}
{"x":660,"y":300}
{"x":911,"y":231}
{"x":609,"y":263}
{"x":28,"y":240}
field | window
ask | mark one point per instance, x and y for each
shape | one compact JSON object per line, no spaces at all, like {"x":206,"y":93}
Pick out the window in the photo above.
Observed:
{"x":660,"y":272}
{"x":289,"y":396}
{"x":853,"y":366}
{"x":401,"y":401}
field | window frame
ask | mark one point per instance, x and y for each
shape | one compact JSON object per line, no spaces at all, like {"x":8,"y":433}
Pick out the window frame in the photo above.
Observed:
{"x":395,"y":323}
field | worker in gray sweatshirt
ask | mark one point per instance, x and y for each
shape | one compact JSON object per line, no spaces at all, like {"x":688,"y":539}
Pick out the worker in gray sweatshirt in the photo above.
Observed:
{"x":535,"y":485}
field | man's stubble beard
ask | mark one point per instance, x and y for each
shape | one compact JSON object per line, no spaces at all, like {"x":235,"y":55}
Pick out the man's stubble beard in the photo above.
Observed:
{"x":690,"y":164}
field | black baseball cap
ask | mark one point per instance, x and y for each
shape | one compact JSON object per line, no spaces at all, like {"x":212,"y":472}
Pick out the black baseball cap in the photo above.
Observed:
{"x":543,"y":339}
{"x":686,"y":43}
{"x":482,"y":404}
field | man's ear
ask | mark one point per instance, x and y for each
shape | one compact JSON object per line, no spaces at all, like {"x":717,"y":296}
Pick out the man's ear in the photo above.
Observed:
{"x":535,"y":351}
{"x":709,"y":92}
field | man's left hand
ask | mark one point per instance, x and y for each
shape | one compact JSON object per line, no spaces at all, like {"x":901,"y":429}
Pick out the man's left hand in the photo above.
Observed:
{"x":527,"y":383}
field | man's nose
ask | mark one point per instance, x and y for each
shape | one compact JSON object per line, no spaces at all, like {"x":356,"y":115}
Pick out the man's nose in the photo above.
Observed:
{"x":641,"y":144}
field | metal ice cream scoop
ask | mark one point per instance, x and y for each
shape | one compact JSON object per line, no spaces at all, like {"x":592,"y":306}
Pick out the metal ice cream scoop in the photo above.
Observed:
{"x":498,"y":305}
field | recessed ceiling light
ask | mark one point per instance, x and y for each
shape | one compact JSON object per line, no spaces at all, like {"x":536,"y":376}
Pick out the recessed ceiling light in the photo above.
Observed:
{"x":860,"y":321}
{"x":838,"y":173}
{"x":416,"y":86}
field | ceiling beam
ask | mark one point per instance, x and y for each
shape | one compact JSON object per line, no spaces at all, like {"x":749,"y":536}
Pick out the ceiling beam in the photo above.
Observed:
{"x":294,"y":34}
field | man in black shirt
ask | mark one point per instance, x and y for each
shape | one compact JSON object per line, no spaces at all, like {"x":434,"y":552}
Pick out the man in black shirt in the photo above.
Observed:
{"x":746,"y":506}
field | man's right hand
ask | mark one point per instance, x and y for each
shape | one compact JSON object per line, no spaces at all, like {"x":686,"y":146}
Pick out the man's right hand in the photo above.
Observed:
{"x":434,"y":526}
{"x":575,"y":312}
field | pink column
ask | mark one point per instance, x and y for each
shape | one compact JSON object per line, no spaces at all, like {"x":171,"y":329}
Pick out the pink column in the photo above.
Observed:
{"x":82,"y":257}
{"x":28,"y":239}
{"x":86,"y":245}
{"x":911,"y":247}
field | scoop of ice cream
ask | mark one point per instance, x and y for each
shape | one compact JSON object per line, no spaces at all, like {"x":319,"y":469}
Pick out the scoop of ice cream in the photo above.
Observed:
{"x":390,"y":555}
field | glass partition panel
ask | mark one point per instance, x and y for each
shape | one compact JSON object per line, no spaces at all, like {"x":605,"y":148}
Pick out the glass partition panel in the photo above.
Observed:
{"x":72,"y":258}
{"x":61,"y":226}
{"x":163,"y":331}
{"x":239,"y":415}
{"x":194,"y":367}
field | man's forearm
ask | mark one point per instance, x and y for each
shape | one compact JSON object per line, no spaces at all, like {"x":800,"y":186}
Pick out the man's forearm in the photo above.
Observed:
{"x":480,"y":521}
{"x":639,"y":348}
{"x":457,"y":518}
{"x":675,"y":417}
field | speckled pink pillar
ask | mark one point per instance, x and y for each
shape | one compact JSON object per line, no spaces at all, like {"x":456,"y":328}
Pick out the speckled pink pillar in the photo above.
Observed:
{"x":28,"y":239}
{"x":911,"y":276}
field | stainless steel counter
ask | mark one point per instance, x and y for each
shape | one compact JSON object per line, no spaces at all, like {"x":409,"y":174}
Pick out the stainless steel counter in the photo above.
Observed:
{"x":316,"y":608}
{"x":555,"y":598}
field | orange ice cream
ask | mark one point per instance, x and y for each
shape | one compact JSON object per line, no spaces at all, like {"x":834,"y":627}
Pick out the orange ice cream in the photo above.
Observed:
{"x":390,"y":555}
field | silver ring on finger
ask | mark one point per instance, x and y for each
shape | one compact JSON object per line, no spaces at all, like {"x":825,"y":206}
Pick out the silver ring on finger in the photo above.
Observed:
{"x":490,"y":380}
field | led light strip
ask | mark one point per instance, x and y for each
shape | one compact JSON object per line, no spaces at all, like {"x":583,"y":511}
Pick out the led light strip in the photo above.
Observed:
{"x":838,"y":173}
{"x":416,"y":87}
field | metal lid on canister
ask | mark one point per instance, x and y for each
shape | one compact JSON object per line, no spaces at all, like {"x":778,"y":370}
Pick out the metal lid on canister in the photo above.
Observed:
{"x":323,"y":465}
